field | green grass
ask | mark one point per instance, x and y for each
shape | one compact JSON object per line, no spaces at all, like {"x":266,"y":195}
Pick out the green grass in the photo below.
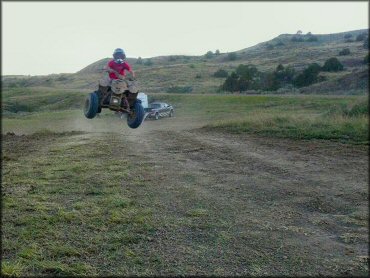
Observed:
{"x":343,"y":118}
{"x":33,"y":100}
{"x":297,"y":117}
{"x":65,"y":211}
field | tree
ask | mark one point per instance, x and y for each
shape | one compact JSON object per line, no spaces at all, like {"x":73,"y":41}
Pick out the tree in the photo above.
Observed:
{"x":245,"y":77}
{"x":332,"y":65}
{"x":217,"y":52}
{"x":348,"y":36}
{"x":284,"y":75}
{"x":247,"y":71}
{"x":299,"y":32}
{"x":308,"y":76}
{"x":269,"y":82}
{"x":209,"y":55}
{"x":231,"y":83}
{"x":139,"y":61}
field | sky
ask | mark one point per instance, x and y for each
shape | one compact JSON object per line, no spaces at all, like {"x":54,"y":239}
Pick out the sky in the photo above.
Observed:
{"x":40,"y":38}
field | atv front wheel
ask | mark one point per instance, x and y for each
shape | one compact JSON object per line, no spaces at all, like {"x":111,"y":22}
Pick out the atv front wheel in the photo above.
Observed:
{"x":135,"y":118}
{"x":91,"y":105}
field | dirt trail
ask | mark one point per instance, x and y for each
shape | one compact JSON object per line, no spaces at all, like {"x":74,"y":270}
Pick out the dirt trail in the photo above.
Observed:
{"x":240,"y":204}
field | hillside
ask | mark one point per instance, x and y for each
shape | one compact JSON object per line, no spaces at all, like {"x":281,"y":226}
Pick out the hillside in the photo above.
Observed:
{"x":195,"y":73}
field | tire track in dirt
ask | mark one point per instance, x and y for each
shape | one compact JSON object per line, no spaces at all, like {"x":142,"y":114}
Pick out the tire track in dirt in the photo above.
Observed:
{"x":232,"y":204}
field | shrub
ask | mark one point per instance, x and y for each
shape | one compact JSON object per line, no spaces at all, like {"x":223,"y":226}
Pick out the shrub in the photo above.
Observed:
{"x":192,"y":66}
{"x":231,"y":56}
{"x":198,"y":76}
{"x":284,"y":75}
{"x":221,"y":73}
{"x":148,"y":62}
{"x":348,"y":36}
{"x":332,"y":65}
{"x":209,"y":55}
{"x":280,"y":43}
{"x":349,"y":40}
{"x":297,"y":39}
{"x":308,"y":76}
{"x":361,"y":37}
{"x":139,"y":61}
{"x":231,"y":83}
{"x":344,"y":51}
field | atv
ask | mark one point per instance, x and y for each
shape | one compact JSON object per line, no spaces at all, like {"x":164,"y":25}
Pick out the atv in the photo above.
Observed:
{"x":119,"y":96}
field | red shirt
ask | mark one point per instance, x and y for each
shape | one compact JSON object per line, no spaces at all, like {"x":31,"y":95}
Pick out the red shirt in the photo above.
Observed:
{"x":120,"y":68}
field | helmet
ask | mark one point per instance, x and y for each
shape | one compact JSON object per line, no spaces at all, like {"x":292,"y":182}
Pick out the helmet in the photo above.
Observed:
{"x":119,"y":55}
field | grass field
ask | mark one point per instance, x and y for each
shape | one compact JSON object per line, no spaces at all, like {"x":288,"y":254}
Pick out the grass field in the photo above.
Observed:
{"x":343,"y":118}
{"x":179,"y":196}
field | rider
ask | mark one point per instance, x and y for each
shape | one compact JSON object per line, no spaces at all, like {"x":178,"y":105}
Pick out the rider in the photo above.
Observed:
{"x":118,"y":65}
{"x":116,"y":68}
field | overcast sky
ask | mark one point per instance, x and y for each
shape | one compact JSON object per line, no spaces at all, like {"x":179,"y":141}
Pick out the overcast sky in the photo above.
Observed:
{"x":63,"y":37}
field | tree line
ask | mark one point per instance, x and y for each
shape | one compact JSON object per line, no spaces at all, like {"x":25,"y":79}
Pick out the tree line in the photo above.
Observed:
{"x":248,"y":77}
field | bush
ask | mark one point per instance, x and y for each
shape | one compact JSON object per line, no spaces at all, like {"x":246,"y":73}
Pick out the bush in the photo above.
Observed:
{"x":348,"y":36}
{"x":198,"y":76}
{"x":221,"y":73}
{"x":332,"y":65}
{"x":209,"y":55}
{"x":361,"y":37}
{"x":344,"y":51}
{"x":308,"y":76}
{"x":139,"y":61}
{"x":297,"y":39}
{"x":284,"y":75}
{"x":148,"y":62}
{"x":232,"y":56}
{"x":280,"y":43}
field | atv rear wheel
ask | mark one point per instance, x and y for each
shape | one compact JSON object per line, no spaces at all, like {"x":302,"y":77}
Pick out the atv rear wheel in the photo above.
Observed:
{"x":91,"y":105}
{"x":135,"y":118}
